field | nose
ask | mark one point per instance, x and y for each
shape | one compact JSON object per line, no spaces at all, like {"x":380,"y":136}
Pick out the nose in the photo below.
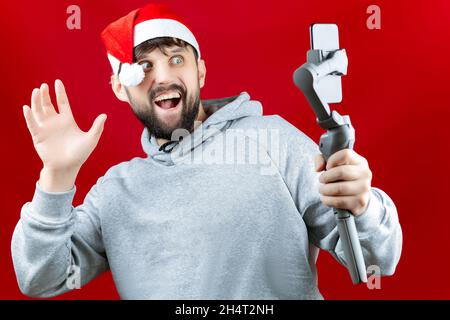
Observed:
{"x":161,"y":74}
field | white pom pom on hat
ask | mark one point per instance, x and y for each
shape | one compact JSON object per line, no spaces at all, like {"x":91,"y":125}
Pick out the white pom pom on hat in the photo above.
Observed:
{"x":123,"y":35}
{"x":131,"y":75}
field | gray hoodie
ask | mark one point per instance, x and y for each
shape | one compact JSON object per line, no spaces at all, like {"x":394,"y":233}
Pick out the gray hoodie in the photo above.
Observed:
{"x":231,"y":212}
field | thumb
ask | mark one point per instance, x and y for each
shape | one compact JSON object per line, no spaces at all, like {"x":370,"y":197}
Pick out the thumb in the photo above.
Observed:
{"x":97,"y":127}
{"x":319,"y":163}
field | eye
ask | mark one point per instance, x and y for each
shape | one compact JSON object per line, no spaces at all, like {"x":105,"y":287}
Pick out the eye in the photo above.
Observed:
{"x":177,"y":60}
{"x":146,"y":65}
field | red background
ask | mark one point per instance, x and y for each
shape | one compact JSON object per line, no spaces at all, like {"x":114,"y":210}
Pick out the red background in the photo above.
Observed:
{"x":396,"y":92}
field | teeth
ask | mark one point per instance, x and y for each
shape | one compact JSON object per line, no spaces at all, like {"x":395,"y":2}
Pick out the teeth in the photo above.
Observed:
{"x":172,"y":95}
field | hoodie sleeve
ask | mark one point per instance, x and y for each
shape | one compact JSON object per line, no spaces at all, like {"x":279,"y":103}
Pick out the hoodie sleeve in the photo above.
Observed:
{"x":53,"y":243}
{"x":378,"y":227}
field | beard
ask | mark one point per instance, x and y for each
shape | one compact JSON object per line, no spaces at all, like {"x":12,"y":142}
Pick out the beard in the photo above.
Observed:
{"x":156,"y":126}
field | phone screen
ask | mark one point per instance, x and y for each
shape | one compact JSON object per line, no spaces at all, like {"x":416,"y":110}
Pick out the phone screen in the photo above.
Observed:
{"x":325,"y":36}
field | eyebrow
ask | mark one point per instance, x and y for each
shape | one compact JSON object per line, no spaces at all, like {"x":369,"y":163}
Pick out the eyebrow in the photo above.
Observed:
{"x":172,"y":51}
{"x":178,"y":49}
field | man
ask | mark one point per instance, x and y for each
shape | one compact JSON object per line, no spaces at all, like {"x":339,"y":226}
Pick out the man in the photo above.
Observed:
{"x":183,"y":223}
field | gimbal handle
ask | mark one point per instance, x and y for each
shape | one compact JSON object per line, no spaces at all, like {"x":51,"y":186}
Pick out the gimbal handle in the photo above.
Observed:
{"x":340,"y":135}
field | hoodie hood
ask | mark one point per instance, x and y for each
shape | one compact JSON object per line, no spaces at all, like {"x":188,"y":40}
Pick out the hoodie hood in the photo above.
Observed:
{"x":221,"y":113}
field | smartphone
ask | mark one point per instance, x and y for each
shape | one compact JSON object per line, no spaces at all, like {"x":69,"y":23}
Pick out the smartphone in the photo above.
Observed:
{"x":325,"y":36}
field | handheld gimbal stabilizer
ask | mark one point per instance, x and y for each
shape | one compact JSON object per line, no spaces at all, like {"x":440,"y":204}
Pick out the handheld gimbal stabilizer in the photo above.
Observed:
{"x":340,"y":135}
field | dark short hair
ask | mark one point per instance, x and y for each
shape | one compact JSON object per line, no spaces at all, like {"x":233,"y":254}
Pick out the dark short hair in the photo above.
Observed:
{"x":161,"y":43}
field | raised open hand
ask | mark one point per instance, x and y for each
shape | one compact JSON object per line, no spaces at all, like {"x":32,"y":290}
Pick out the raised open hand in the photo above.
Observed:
{"x":58,"y":140}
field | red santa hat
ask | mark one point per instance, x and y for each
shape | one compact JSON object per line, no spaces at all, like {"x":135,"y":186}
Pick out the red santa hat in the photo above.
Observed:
{"x":140,"y":25}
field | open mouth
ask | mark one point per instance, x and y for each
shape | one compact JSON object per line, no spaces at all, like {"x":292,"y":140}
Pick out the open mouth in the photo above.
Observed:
{"x":168,"y":100}
{"x":168,"y":104}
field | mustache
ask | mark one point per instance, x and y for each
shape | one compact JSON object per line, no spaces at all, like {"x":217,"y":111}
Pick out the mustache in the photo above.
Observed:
{"x":153,"y":93}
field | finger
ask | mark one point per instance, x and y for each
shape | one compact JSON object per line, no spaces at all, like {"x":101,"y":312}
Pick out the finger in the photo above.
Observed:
{"x":344,"y":202}
{"x":61,"y":97}
{"x":342,"y":157}
{"x":340,"y":173}
{"x":36,"y":107}
{"x":30,"y":121}
{"x":97,"y":127}
{"x":345,"y":188}
{"x":319,"y":162}
{"x":46,"y":101}
{"x":355,"y":204}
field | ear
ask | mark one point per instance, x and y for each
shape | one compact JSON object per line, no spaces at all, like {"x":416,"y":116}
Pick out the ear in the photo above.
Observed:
{"x":118,"y":89}
{"x":201,"y":72}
